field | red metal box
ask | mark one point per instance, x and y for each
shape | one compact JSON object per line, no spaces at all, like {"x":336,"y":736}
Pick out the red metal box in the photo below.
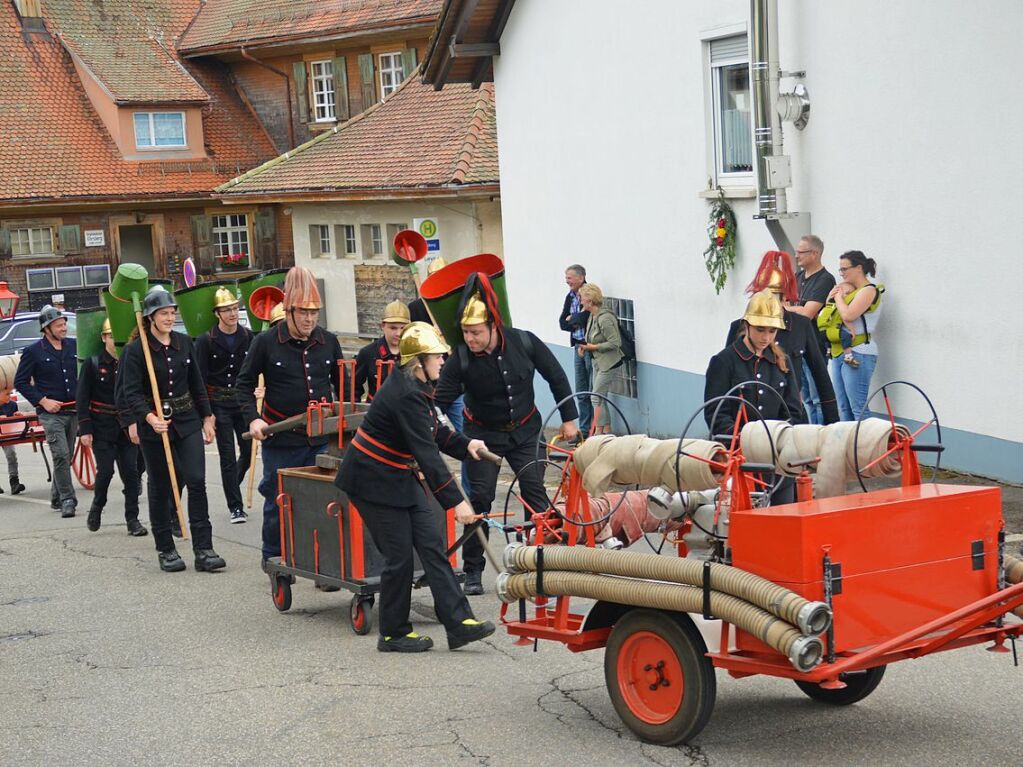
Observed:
{"x":906,"y":555}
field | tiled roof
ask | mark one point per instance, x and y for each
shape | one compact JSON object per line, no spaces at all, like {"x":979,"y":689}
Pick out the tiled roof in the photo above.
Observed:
{"x":53,"y":145}
{"x":223,"y":23}
{"x":129,"y":45}
{"x":417,"y":139}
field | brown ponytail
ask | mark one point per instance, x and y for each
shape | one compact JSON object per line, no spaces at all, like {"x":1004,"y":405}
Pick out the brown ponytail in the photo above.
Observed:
{"x":781,"y":357}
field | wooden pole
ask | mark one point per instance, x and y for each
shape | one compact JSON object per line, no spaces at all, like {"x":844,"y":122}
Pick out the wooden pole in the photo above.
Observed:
{"x":255,"y":450}
{"x":144,"y":339}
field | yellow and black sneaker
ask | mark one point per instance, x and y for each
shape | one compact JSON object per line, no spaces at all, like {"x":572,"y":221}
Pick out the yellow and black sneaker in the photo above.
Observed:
{"x":469,"y":630}
{"x":411,"y":642}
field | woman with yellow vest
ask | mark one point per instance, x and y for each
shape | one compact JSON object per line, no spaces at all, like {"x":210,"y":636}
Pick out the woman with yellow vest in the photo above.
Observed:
{"x":848,"y":320}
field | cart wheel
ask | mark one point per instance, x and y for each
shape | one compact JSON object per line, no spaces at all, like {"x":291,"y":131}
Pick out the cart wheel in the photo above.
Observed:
{"x":660,"y":681}
{"x":361,"y":614}
{"x":280,"y":590}
{"x":83,"y":462}
{"x":858,"y":685}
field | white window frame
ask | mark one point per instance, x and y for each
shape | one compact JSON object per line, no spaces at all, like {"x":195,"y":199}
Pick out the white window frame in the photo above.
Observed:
{"x":152,"y":133}
{"x":34,"y":251}
{"x":33,"y":273}
{"x":372,"y":236}
{"x":325,"y":240}
{"x":229,"y":232}
{"x":738,"y":180}
{"x":392,"y":73}
{"x":351,"y":243}
{"x":74,"y":272}
{"x":324,"y":91}
{"x":97,"y":270}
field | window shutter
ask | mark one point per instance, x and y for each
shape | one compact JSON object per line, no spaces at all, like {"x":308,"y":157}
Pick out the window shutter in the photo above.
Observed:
{"x":408,"y":61}
{"x":202,"y":242}
{"x":301,"y":90}
{"x":341,"y":109}
{"x":70,"y":239}
{"x":369,"y":87}
{"x":5,"y":243}
{"x":266,"y":238}
{"x":728,"y":49}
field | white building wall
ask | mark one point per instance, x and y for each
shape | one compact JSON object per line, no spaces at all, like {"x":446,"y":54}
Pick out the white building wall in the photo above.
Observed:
{"x":604,"y":132}
{"x":465,"y":227}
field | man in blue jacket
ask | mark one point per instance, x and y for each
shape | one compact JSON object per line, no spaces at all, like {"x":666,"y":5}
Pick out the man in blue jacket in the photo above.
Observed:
{"x":48,"y":378}
{"x":573,"y":320}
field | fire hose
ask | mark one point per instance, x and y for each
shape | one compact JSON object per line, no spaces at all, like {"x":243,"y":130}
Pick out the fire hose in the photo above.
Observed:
{"x":812,"y":618}
{"x":804,"y":652}
{"x":640,"y":460}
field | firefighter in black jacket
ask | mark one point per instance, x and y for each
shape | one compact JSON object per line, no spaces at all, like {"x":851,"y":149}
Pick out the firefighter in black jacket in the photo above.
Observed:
{"x":100,"y":428}
{"x":221,"y":352}
{"x":188,"y":422}
{"x":401,"y":436}
{"x":754,"y":359}
{"x":299,"y":363}
{"x":495,"y":371}
{"x":383,"y":350}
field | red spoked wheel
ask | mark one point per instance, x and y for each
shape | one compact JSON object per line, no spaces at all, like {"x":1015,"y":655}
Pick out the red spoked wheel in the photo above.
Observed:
{"x":660,"y":681}
{"x":360,"y":612}
{"x":280,"y":592}
{"x":83,"y":463}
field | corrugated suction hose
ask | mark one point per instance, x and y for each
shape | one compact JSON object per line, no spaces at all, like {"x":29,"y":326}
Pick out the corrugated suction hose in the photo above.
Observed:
{"x":802,"y":651}
{"x":812,"y":618}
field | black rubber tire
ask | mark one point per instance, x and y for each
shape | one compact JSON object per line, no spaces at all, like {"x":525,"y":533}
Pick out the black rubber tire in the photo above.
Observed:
{"x":698,"y":679}
{"x":858,"y":685}
{"x":280,"y":592}
{"x":360,"y":614}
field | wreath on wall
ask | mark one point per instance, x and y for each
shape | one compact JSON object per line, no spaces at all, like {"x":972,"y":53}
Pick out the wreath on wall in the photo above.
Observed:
{"x":720,"y":253}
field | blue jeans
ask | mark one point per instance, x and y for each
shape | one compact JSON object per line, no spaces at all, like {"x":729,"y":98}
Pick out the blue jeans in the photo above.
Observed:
{"x":811,"y":397}
{"x":583,"y":382}
{"x":454,"y":415}
{"x":275,"y":458}
{"x":852,"y":384}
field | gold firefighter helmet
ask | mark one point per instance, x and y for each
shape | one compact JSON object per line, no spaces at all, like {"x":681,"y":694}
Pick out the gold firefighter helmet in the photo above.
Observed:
{"x":420,"y":338}
{"x":225,"y":298}
{"x":396,"y":311}
{"x":776,"y":282}
{"x":300,"y":290}
{"x":764,"y":310}
{"x":105,"y":330}
{"x":436,"y":265}
{"x":276,"y":314}
{"x":475,"y":312}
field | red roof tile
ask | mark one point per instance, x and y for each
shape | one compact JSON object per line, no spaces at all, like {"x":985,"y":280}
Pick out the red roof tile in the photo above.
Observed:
{"x":417,"y":139}
{"x":54,"y":147}
{"x":223,"y":23}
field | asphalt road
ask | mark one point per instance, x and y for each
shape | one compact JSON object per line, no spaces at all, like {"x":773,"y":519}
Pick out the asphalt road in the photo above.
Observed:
{"x":104,"y":660}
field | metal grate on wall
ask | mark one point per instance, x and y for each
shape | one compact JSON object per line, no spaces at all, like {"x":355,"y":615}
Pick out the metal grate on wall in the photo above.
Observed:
{"x":624,"y":382}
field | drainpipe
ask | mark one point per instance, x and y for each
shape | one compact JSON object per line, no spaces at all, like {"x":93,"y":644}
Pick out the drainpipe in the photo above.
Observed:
{"x":287,"y":86}
{"x":774,"y":167}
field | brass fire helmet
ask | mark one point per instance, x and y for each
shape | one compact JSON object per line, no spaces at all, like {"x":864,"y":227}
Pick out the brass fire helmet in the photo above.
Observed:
{"x":420,"y":338}
{"x":764,"y":310}
{"x":776,"y":284}
{"x":224,"y":299}
{"x":475,"y":312}
{"x":276,"y":314}
{"x":396,"y":311}
{"x":105,"y":329}
{"x":436,"y":265}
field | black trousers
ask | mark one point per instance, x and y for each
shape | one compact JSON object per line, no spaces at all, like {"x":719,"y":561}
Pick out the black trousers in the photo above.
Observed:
{"x":190,"y":466}
{"x":230,"y":427}
{"x":126,"y":456}
{"x":396,"y":532}
{"x":518,"y":448}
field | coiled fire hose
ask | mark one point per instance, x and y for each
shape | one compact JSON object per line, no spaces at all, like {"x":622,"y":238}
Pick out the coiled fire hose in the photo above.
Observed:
{"x":640,"y":460}
{"x":812,"y":618}
{"x":802,"y":651}
{"x":1014,"y":574}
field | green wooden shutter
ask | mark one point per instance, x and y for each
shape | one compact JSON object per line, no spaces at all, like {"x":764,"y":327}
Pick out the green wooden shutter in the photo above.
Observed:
{"x":341,"y":108}
{"x":408,"y":61}
{"x":5,"y":243}
{"x":369,"y":86}
{"x":266,"y":238}
{"x":70,"y":239}
{"x":301,"y":90}
{"x":202,"y":242}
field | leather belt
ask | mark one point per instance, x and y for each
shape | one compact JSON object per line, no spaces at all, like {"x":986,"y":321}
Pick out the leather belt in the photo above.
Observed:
{"x":175,"y":405}
{"x":503,"y":427}
{"x":221,"y":393}
{"x":103,"y":408}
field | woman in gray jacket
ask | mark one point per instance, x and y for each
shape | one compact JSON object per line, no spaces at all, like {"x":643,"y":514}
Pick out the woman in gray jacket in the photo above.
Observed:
{"x":604,"y":342}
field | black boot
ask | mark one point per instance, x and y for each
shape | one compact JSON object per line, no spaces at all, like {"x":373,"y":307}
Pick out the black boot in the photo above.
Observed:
{"x":207,"y":560}
{"x":469,"y":630}
{"x":171,"y":561}
{"x":92,"y":521}
{"x":136,"y":529}
{"x":16,"y":486}
{"x":473,"y":585}
{"x":67,"y":508}
{"x":408,"y":643}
